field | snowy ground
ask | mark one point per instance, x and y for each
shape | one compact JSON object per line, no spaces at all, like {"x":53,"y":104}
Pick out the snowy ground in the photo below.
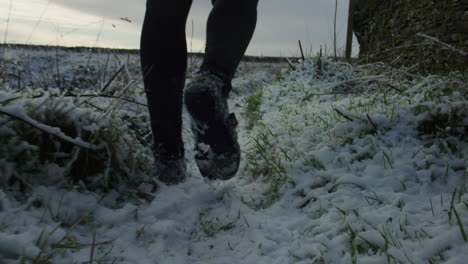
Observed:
{"x":340,"y":164}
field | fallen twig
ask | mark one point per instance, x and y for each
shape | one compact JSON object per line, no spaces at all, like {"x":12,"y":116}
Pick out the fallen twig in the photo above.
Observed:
{"x":95,"y":95}
{"x":343,"y":115}
{"x":109,"y":96}
{"x":80,"y":245}
{"x":54,"y":131}
{"x":113,"y":78}
{"x":309,"y":95}
{"x":448,"y":46}
{"x":91,"y":255}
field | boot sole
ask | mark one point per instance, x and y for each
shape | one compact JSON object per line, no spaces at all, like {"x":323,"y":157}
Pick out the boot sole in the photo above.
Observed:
{"x":217,"y":149}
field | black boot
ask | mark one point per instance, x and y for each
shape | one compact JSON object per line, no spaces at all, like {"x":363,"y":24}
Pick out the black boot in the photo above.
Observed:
{"x":217,"y":150}
{"x":170,"y":166}
{"x":165,"y":106}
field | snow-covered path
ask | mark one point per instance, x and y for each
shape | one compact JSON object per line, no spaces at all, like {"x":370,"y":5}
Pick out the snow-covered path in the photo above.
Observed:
{"x":338,"y":167}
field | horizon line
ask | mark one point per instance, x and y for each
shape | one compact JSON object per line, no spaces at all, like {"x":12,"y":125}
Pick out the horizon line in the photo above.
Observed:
{"x":131,"y":50}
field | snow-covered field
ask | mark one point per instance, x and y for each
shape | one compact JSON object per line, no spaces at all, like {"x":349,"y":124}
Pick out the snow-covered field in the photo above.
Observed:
{"x":341,"y":164}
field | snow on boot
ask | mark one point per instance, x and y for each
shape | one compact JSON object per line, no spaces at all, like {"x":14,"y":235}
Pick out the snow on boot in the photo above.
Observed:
{"x":217,"y":150}
{"x":170,"y":168}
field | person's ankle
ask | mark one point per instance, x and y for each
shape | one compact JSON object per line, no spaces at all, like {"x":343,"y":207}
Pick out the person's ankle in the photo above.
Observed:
{"x":170,"y":166}
{"x":207,"y":69}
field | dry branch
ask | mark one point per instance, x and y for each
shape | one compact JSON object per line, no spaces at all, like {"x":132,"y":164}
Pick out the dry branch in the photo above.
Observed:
{"x":91,"y":255}
{"x":54,"y":131}
{"x":443,"y":44}
{"x":343,"y":115}
{"x":109,"y":96}
{"x":113,"y":78}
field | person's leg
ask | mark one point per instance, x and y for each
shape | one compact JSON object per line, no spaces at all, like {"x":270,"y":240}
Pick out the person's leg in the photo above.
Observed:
{"x":164,"y":62}
{"x":230,"y":27}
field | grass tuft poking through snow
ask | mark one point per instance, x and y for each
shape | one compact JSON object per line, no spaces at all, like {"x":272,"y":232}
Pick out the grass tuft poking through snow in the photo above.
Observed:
{"x":66,"y":137}
{"x":341,"y":164}
{"x":363,"y":149}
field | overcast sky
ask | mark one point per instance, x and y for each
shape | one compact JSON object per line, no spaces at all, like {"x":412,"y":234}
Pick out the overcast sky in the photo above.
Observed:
{"x":281,"y":23}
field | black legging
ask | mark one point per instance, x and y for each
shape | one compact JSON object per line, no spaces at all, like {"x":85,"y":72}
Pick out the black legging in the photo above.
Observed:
{"x":230,"y":27}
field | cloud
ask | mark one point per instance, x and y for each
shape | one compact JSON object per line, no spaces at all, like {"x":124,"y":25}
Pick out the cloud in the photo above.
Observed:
{"x":113,"y":9}
{"x":280,"y":23}
{"x":47,"y":34}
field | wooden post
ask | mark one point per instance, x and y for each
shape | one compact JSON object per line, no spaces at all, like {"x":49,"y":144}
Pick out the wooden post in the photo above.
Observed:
{"x":349,"y":36}
{"x":334,"y":29}
{"x":302,"y":52}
